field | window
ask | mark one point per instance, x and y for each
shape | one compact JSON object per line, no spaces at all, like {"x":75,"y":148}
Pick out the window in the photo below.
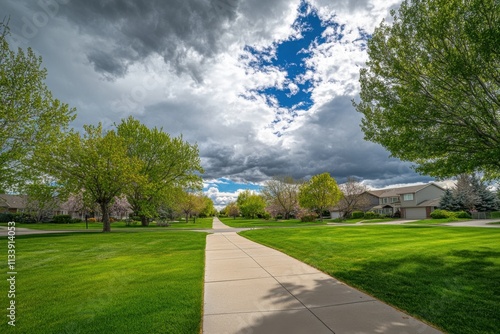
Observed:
{"x":408,"y":197}
{"x":395,"y":199}
{"x":385,"y":200}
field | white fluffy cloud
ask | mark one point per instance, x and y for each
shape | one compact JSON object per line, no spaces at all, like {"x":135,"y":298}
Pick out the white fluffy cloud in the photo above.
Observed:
{"x":182,"y":65}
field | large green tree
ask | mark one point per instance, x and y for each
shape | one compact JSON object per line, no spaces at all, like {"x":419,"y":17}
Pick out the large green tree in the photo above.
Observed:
{"x":167,"y":163}
{"x":250,"y":204}
{"x":430,"y":92}
{"x":320,"y":193}
{"x":29,"y":114}
{"x":95,"y":163}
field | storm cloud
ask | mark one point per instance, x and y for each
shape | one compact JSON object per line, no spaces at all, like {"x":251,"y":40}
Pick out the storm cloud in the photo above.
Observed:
{"x":229,"y":75}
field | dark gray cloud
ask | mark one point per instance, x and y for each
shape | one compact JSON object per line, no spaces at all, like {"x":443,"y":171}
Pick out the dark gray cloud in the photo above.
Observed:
{"x":127,"y":31}
{"x":83,"y":42}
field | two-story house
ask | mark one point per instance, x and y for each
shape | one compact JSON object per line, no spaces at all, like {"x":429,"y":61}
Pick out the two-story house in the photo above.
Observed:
{"x":412,"y":202}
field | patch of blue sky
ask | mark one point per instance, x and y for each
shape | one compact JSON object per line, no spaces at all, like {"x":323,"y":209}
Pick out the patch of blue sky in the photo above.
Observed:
{"x":290,"y":56}
{"x":226,"y":185}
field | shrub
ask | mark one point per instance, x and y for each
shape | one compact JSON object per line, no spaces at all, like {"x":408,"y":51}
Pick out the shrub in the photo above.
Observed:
{"x":495,"y":214}
{"x":308,"y":218}
{"x":441,"y":214}
{"x":266,"y":215}
{"x":76,"y":220}
{"x":91,"y":220}
{"x":6,"y":217}
{"x":357,"y":214}
{"x":371,"y":215}
{"x":61,"y":219}
{"x":462,"y":214}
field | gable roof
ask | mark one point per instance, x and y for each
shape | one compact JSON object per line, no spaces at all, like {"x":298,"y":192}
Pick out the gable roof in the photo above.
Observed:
{"x":395,"y":192}
{"x":12,"y":201}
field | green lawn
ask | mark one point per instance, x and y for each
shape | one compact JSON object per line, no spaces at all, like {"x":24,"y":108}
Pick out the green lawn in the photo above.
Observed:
{"x":201,"y":223}
{"x":438,"y":221}
{"x":446,"y":276}
{"x":107,"y":283}
{"x":244,"y":222}
{"x":361,"y":220}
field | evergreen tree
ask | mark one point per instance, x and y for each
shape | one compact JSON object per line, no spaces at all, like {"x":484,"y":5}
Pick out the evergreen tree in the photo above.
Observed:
{"x":487,"y":199}
{"x":448,"y":202}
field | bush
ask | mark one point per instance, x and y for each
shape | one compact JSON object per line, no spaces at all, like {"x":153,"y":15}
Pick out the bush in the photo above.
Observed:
{"x":371,"y":215}
{"x":495,"y":214}
{"x":91,"y":220}
{"x":462,"y":214}
{"x":61,"y":219}
{"x":308,"y":218}
{"x":6,"y":217}
{"x":76,"y":220}
{"x":441,"y":214}
{"x":357,"y":214}
{"x":16,"y":217}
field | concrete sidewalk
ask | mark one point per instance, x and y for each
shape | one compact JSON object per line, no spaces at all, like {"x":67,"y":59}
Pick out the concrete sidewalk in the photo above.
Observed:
{"x":250,"y":288}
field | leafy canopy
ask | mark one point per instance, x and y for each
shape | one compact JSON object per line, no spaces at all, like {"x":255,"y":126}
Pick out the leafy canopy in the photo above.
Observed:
{"x":319,"y":193}
{"x":430,"y":92}
{"x":95,"y":163}
{"x":166,"y":163}
{"x":29,"y":115}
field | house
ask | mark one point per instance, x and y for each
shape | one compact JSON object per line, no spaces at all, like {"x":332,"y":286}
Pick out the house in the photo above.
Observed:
{"x":412,"y":202}
{"x":12,"y":203}
{"x":19,"y":204}
{"x":369,"y":200}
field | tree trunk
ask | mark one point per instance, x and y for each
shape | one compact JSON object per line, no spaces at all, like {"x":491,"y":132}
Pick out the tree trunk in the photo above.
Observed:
{"x":144,"y":221}
{"x":106,"y":224}
{"x":187,"y":218}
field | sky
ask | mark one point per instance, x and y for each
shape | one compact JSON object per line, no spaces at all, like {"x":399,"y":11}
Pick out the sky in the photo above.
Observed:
{"x":264,"y":88}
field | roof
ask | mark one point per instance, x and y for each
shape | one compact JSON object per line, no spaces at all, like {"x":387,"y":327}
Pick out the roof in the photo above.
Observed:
{"x":395,"y":192}
{"x":431,"y":202}
{"x":12,"y":201}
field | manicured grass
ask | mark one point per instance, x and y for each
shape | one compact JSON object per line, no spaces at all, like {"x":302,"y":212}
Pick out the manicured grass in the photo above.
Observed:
{"x":244,"y":222}
{"x":106,"y":283}
{"x":361,"y":220}
{"x":438,"y":221}
{"x":446,"y":276}
{"x":201,"y":223}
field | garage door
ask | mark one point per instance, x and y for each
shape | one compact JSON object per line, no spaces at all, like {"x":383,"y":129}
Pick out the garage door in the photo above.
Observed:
{"x":415,"y":213}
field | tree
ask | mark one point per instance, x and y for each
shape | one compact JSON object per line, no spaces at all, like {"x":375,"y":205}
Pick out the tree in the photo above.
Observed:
{"x":487,"y":200}
{"x":281,"y":192}
{"x":319,"y":193}
{"x":190,"y":203}
{"x":353,"y":197}
{"x":470,"y":193}
{"x":29,"y":115}
{"x":430,"y":92}
{"x":95,"y":162}
{"x":448,"y":201}
{"x":167,"y":163}
{"x":208,"y":207}
{"x":120,"y":207}
{"x":251,"y":205}
{"x":41,"y":200}
{"x":232,"y":210}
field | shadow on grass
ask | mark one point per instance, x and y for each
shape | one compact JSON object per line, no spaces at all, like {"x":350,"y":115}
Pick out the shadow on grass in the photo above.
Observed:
{"x":458,"y":292}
